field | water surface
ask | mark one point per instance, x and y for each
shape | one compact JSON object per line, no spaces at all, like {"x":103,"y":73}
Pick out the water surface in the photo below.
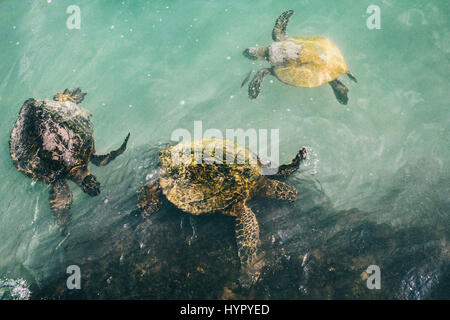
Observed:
{"x":375,"y":190}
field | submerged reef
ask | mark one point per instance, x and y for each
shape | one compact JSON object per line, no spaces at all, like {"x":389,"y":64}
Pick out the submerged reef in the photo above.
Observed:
{"x":312,"y":251}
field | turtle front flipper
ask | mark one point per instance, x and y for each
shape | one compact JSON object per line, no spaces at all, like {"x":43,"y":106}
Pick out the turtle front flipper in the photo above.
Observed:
{"x":149,"y":199}
{"x":247,"y":240}
{"x":279,"y":30}
{"x":286,"y":170}
{"x":60,"y":198}
{"x":75,"y":96}
{"x":254,"y":88}
{"x":103,"y":160}
{"x":340,"y":91}
{"x":279,"y":190}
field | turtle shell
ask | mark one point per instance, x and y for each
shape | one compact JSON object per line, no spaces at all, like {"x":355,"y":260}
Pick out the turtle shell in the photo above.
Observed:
{"x":207,"y":175}
{"x":306,"y":61}
{"x":49,"y":138}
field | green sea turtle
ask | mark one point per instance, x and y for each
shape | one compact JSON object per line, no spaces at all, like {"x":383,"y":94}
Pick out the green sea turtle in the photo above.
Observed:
{"x":218,"y":175}
{"x":52,"y":141}
{"x":299,"y":61}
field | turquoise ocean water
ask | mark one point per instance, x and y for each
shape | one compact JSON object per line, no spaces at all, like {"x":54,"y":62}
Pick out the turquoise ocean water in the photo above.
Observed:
{"x":374,"y":191}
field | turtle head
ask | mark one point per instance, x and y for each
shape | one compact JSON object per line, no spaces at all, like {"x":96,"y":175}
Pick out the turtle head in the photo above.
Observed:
{"x":86,"y":180}
{"x":90,"y":185}
{"x":256,"y":53}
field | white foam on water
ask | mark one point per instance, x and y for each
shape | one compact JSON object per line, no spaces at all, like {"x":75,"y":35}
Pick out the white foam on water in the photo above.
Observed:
{"x":14,"y":289}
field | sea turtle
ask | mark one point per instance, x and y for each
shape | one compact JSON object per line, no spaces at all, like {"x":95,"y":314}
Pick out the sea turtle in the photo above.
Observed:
{"x":52,"y":141}
{"x":218,"y":175}
{"x":299,"y":61}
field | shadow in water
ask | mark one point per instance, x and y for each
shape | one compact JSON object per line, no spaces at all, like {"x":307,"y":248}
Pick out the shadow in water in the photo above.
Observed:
{"x":312,"y":251}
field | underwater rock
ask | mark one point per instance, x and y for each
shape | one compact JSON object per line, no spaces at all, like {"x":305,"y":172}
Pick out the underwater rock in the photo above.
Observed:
{"x":312,"y":250}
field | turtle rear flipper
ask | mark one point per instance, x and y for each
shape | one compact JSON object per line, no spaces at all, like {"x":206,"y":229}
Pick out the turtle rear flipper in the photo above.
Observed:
{"x":247,"y":240}
{"x":75,"y":96}
{"x":246,"y":78}
{"x":279,"y":30}
{"x":103,"y":160}
{"x":351,"y":76}
{"x":340,"y":91}
{"x":61,"y":198}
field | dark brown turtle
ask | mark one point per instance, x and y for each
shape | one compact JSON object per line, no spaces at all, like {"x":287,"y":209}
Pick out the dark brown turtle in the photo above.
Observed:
{"x":52,"y":141}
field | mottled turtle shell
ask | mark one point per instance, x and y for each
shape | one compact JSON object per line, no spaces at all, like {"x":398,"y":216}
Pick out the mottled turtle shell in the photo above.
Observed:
{"x":207,"y":175}
{"x":49,"y":138}
{"x":306,"y":61}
